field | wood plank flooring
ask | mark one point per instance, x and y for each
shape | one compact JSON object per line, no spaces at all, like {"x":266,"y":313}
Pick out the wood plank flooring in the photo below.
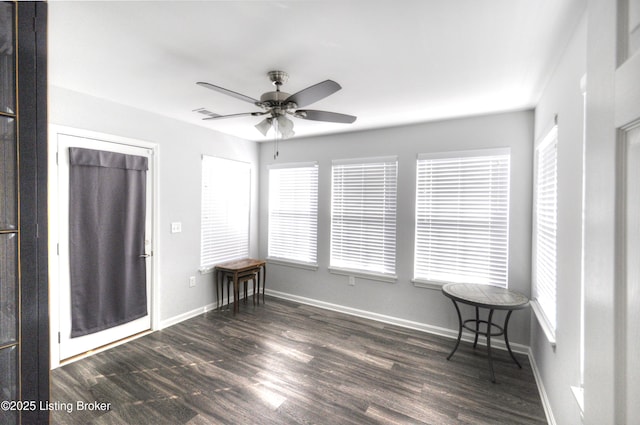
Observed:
{"x":287,"y":363}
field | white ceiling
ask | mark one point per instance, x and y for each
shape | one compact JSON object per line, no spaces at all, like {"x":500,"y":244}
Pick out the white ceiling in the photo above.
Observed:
{"x":398,"y":61}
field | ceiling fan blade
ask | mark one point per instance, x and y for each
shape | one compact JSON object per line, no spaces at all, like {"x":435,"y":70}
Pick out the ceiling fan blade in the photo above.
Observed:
{"x":227,"y":92}
{"x":312,"y":115}
{"x":314,"y":93}
{"x":244,"y":114}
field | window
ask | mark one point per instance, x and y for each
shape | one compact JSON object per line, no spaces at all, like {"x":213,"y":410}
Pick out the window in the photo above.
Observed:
{"x":544,"y":231}
{"x":293,"y":213}
{"x":363,"y":216}
{"x":462,"y":217}
{"x":226,"y":191}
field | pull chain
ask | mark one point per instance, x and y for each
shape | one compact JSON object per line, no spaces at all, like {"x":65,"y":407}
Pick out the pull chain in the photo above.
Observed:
{"x":275,"y":139}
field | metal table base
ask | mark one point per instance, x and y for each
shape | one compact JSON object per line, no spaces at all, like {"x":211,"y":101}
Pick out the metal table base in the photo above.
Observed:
{"x":477,"y":331}
{"x":491,"y":298}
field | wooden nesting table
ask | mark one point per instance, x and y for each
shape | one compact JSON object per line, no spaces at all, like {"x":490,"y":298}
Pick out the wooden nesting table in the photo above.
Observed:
{"x":238,"y":268}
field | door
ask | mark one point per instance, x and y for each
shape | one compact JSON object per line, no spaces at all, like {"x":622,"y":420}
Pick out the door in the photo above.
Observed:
{"x":78,"y":333}
{"x":627,"y":121}
{"x":24,"y":325}
{"x":9,"y":231}
{"x":630,"y":371}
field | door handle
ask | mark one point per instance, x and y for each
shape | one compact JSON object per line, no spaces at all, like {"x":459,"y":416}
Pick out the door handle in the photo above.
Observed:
{"x":144,"y":255}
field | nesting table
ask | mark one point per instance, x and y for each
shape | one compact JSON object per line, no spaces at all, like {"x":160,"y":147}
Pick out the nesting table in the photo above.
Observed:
{"x":487,"y":297}
{"x":236,"y":268}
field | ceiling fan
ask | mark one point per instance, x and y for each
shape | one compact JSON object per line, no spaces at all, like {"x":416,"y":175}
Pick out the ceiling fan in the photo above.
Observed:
{"x":276,"y":105}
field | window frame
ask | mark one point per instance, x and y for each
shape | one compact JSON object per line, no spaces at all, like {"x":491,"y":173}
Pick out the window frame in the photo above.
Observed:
{"x":311,"y":172}
{"x":215,"y":197}
{"x":421,"y":276}
{"x":339,"y":254}
{"x":539,"y":305}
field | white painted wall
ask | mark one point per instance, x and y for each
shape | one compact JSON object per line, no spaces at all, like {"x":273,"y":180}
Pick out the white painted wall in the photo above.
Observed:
{"x":560,"y":368}
{"x":402,"y":300}
{"x":179,"y":167}
{"x":602,"y":269}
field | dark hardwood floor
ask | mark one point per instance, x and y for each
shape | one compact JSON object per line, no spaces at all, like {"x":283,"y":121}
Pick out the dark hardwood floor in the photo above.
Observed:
{"x":286,"y":363}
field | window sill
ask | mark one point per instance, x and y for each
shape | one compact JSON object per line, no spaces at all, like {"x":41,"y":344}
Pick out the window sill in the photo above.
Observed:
{"x":549,"y":332}
{"x":428,"y":284}
{"x":578,"y":393}
{"x":292,"y":263}
{"x":364,"y":275}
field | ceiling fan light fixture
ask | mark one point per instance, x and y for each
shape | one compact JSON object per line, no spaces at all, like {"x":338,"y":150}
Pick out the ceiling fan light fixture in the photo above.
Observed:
{"x":264,"y":126}
{"x":285,"y":127}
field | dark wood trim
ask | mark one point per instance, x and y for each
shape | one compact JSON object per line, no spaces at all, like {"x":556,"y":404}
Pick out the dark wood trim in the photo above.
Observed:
{"x":32,"y":143}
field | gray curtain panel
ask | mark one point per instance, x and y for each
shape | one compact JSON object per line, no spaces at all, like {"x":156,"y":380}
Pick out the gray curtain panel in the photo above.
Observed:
{"x":107,"y":200}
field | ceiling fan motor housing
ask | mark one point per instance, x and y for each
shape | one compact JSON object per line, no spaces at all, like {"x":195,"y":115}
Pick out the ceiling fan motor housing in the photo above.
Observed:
{"x":276,"y":99}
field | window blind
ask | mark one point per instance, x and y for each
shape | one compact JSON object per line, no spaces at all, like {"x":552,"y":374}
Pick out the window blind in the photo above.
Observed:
{"x":363,"y":215}
{"x":462,"y":217}
{"x":293,"y":213}
{"x":546,"y":214}
{"x":226,"y":191}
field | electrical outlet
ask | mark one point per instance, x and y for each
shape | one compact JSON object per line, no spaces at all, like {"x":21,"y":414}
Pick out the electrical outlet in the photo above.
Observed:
{"x":192,"y":281}
{"x":352,"y":280}
{"x":176,"y":227}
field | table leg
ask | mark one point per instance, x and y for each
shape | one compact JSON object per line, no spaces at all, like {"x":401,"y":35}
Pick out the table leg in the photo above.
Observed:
{"x":459,"y":330}
{"x":228,"y":294}
{"x":223,"y":276}
{"x":215,"y":282}
{"x":493,"y":377}
{"x":475,"y":340}
{"x":506,"y":338}
{"x":246,"y":291}
{"x":236,"y":293}
{"x":257,"y":284}
{"x":264,"y":280}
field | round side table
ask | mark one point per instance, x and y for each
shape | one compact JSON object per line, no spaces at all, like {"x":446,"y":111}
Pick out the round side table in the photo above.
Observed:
{"x":489,"y":297}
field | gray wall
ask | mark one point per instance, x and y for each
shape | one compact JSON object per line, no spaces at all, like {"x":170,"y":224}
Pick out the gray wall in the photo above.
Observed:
{"x":181,"y":146}
{"x":402,"y":300}
{"x":560,"y":368}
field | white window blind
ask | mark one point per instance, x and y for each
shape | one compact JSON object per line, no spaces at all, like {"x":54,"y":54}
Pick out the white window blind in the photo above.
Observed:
{"x":363,"y":215}
{"x":293,"y":213}
{"x":462,"y":217}
{"x":226,"y":192}
{"x":545,"y":225}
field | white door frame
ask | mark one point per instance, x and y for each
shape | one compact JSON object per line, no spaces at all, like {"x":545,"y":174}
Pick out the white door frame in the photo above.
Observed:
{"x":627,"y":123}
{"x":54,"y":231}
{"x":613,"y":109}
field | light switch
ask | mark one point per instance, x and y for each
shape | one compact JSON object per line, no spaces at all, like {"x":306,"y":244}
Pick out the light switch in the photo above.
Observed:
{"x":176,"y":227}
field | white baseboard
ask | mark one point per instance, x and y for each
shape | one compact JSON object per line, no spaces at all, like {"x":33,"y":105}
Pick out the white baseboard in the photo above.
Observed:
{"x":546,"y":404}
{"x":193,"y":313}
{"x":186,"y":316}
{"x":449,"y":333}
